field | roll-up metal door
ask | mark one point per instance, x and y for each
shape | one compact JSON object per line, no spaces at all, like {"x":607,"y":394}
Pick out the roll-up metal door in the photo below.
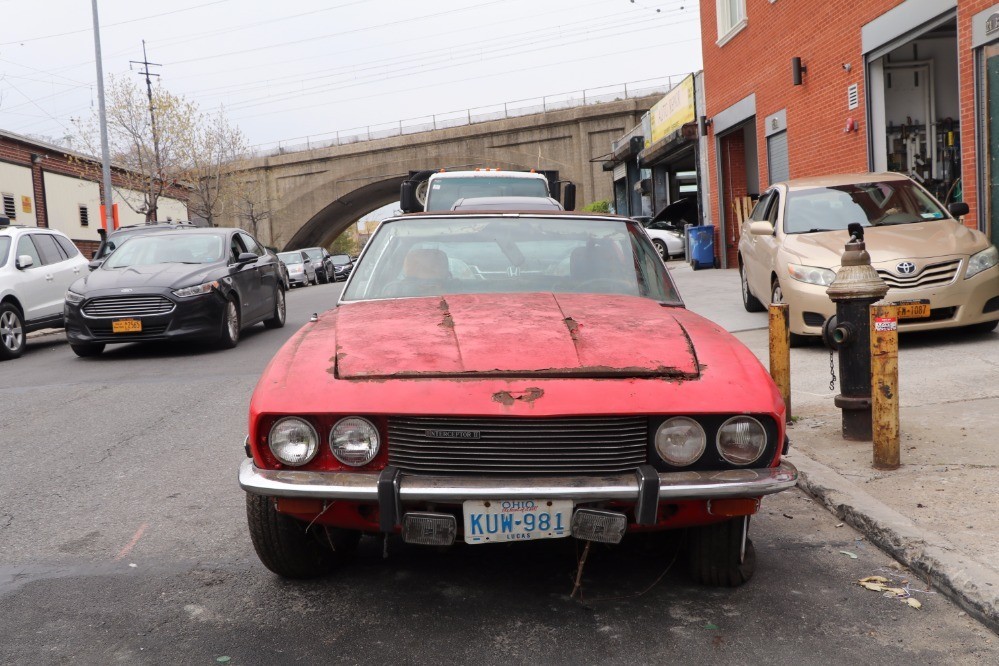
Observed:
{"x":777,"y":161}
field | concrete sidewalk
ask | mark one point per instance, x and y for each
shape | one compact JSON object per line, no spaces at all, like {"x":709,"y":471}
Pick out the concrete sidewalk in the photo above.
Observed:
{"x":939,"y":513}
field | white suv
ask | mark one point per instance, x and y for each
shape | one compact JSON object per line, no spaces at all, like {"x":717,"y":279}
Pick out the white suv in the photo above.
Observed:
{"x":37,"y":266}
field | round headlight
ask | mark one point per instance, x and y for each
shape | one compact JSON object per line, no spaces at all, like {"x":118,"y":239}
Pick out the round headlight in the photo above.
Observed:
{"x":741,"y":440}
{"x":680,"y":441}
{"x":354,"y":441}
{"x":293,"y":441}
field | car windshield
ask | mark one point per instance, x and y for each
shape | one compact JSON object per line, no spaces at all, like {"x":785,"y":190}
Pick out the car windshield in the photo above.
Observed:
{"x":291,"y":258}
{"x":315,"y":254}
{"x":483,"y":254}
{"x":167,"y":249}
{"x":444,"y":192}
{"x":871,"y":204}
{"x":339,"y":259}
{"x":4,"y":249}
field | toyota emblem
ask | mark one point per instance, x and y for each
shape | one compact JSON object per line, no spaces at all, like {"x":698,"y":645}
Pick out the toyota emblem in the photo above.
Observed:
{"x":906,"y":268}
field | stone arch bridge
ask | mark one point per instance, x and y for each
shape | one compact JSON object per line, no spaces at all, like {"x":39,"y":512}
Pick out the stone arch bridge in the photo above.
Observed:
{"x":313,"y":196}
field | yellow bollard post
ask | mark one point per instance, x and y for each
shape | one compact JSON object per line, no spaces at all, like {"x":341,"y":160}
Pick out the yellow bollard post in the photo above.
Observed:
{"x":884,"y":385}
{"x":780,"y":353}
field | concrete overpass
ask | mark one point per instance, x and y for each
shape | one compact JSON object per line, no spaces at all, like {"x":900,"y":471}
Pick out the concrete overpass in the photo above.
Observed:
{"x":314,"y":195}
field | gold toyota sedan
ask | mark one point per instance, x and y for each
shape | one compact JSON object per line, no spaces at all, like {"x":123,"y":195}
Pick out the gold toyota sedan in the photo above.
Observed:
{"x":942,"y":273}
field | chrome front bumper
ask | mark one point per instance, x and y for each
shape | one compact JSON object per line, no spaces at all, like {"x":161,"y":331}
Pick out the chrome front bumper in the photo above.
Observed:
{"x":364,"y":486}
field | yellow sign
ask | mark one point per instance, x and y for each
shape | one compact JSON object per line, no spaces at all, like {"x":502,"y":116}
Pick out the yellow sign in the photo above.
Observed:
{"x":673,"y":111}
{"x":26,"y":204}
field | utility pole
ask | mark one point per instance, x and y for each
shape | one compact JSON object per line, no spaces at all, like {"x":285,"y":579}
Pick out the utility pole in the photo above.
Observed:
{"x":157,"y":175}
{"x":105,"y":151}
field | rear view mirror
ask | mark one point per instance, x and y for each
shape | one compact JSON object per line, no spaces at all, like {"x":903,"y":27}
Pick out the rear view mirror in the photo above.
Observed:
{"x":407,"y":198}
{"x":25,"y":261}
{"x":569,"y":197}
{"x":246,"y":257}
{"x":761,"y":229}
{"x":958,"y":208}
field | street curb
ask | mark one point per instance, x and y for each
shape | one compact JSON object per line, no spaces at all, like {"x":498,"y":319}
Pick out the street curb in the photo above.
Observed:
{"x":43,"y":333}
{"x":972,"y":586}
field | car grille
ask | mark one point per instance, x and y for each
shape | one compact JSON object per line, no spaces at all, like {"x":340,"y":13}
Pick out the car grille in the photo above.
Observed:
{"x":932,"y":275}
{"x":128,"y":306}
{"x":517,"y":446}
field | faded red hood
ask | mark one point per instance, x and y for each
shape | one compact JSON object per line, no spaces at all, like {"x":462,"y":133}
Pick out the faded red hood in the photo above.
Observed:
{"x":512,"y":335}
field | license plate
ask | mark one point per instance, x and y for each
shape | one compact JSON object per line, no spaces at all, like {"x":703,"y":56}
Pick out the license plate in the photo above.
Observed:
{"x":494,"y":521}
{"x":126,"y":326}
{"x":913,"y":309}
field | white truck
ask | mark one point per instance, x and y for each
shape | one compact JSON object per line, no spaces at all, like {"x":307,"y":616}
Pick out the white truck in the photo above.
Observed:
{"x":441,"y":189}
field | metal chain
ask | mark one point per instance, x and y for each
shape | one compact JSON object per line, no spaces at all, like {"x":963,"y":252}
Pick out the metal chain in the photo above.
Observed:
{"x":832,"y":371}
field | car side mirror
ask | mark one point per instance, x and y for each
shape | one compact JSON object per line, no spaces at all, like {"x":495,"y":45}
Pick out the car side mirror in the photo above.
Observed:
{"x":761,"y":228}
{"x":958,"y":208}
{"x":245,"y":257}
{"x":94,"y":264}
{"x":407,"y":198}
{"x":25,"y":261}
{"x":569,"y":196}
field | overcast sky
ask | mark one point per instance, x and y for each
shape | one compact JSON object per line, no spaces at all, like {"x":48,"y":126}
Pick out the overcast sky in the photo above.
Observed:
{"x":290,"y":69}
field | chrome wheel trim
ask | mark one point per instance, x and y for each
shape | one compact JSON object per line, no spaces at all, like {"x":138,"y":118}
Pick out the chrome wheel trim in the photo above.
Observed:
{"x":776,"y":295}
{"x":745,"y":284}
{"x":11,"y":331}
{"x":661,"y":249}
{"x":232,"y":321}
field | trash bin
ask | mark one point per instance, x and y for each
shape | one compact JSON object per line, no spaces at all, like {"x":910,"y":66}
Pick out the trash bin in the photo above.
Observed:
{"x":701,"y":241}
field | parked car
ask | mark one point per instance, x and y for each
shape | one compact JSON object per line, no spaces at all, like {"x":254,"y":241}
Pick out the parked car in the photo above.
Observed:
{"x":507,"y":203}
{"x":110,"y":241}
{"x":322,"y":262}
{"x":342,"y":265}
{"x":36,"y":267}
{"x":204,"y":284}
{"x":299,"y":267}
{"x":943,"y":273}
{"x":667,"y":239}
{"x":615,"y":410}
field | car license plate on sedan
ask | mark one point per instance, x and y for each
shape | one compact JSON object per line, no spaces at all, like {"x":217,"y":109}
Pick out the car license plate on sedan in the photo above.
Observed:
{"x":126,"y":326}
{"x":492,"y":521}
{"x":913,"y":309}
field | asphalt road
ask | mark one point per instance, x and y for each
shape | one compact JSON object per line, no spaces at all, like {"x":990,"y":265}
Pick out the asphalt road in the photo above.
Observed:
{"x":123,"y":539}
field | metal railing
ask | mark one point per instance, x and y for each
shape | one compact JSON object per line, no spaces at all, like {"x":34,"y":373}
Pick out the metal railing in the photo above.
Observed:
{"x":482,"y":114}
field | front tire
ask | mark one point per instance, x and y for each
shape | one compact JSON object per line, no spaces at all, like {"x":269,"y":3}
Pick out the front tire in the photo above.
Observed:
{"x":229,"y":337}
{"x":87,"y":349}
{"x":11,"y":332}
{"x":661,"y":249}
{"x":721,"y":555}
{"x":750,"y":302}
{"x":286,"y":547}
{"x":280,"y":310}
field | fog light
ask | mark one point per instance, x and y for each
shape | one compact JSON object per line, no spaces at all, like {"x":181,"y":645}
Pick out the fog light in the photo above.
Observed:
{"x":429,"y":529}
{"x":599,"y":525}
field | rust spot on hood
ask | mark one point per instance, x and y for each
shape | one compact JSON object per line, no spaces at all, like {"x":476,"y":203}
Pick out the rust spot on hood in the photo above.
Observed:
{"x":573,"y":327}
{"x":508,"y":398}
{"x":447,"y":321}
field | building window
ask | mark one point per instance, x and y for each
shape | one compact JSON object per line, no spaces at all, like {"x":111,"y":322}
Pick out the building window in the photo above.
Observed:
{"x":84,"y":216}
{"x":731,"y":19}
{"x":9,"y":209}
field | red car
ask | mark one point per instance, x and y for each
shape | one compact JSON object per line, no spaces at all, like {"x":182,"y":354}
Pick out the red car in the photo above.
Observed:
{"x":508,"y":377}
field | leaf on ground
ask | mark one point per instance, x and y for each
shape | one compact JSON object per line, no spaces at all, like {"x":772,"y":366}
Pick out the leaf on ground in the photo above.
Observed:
{"x":913,"y":602}
{"x":852,"y":556}
{"x":874,"y":579}
{"x":874,"y":587}
{"x":898,"y":592}
{"x":711,"y":625}
{"x":223,"y":660}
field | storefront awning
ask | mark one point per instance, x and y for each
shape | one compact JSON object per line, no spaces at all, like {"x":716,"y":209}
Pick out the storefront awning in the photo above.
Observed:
{"x":624,"y":151}
{"x":665,"y":148}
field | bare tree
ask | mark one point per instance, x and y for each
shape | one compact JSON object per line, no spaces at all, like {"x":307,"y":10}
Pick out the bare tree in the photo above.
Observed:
{"x":252,"y":208}
{"x":210,"y":147}
{"x":130,"y":138}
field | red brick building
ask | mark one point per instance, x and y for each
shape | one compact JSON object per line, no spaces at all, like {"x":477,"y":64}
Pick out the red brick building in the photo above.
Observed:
{"x":47,"y":186}
{"x":901,"y":85}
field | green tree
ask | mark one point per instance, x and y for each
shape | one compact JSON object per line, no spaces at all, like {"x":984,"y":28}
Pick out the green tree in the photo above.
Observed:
{"x":602,"y":206}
